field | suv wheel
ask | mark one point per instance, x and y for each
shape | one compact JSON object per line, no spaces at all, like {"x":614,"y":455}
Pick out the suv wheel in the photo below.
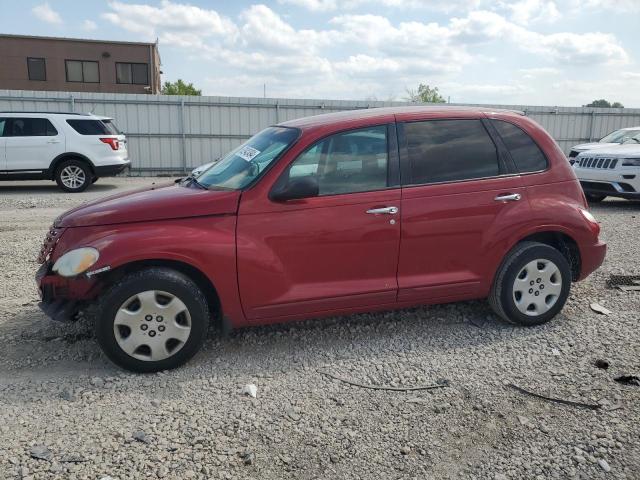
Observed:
{"x":532,"y":284}
{"x":594,"y":197}
{"x":73,"y":176}
{"x":152,"y":320}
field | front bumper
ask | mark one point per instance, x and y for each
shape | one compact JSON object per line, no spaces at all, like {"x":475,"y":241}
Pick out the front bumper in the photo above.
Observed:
{"x":61,"y":298}
{"x":611,"y":189}
{"x":111,"y":170}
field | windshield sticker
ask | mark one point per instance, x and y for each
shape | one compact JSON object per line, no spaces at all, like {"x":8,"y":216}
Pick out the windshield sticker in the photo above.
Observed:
{"x":247,"y":153}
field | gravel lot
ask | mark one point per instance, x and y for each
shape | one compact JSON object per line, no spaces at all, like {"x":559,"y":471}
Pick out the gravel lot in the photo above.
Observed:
{"x":62,"y":400}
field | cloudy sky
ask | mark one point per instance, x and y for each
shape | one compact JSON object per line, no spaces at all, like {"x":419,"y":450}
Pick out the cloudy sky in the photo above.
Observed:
{"x":537,"y":52}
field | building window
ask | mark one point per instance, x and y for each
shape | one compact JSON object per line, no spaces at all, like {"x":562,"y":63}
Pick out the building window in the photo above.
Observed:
{"x":135,"y":73}
{"x":85,"y":71}
{"x":37,"y":69}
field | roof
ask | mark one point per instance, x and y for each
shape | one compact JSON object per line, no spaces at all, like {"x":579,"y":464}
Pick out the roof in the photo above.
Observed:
{"x":84,"y":40}
{"x":386,"y":112}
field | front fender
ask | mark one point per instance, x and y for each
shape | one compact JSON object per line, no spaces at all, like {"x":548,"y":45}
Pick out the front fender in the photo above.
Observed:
{"x":205,"y":243}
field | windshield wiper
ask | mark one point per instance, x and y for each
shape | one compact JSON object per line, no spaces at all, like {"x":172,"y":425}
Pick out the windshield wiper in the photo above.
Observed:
{"x":191,"y":179}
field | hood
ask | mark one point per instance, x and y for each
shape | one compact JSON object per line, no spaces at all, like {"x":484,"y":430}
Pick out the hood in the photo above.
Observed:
{"x":592,"y":146}
{"x":161,"y":202}
{"x":616,"y":151}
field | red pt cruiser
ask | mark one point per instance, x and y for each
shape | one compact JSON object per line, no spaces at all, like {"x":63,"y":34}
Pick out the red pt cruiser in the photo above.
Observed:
{"x":329,"y":215}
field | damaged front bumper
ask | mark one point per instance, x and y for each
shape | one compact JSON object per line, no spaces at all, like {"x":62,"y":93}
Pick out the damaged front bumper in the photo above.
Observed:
{"x":62,"y":298}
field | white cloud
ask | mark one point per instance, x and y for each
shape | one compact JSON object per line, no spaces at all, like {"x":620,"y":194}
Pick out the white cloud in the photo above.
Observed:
{"x":45,"y":13}
{"x":526,"y":11}
{"x":89,"y":25}
{"x":616,"y":5}
{"x":433,"y":5}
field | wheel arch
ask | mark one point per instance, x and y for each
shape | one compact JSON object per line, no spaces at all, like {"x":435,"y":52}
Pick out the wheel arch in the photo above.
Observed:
{"x":69,"y":156}
{"x":562,"y":242}
{"x":203,"y":282}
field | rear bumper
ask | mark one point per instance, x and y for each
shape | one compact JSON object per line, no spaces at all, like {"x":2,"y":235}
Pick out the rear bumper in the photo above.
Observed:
{"x":592,"y":257}
{"x":111,"y":170}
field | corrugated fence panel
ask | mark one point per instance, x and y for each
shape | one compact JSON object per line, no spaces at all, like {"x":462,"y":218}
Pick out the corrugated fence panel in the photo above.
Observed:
{"x":171,"y":134}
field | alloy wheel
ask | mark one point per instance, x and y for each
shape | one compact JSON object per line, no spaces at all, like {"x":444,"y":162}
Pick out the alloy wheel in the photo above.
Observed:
{"x":72,"y":177}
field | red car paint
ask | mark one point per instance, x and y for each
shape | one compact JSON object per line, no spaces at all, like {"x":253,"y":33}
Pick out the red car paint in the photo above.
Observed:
{"x":273,"y":261}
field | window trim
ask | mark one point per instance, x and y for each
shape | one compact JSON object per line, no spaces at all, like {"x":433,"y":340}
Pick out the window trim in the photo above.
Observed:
{"x":44,"y":61}
{"x":504,"y":167}
{"x":131,"y":70}
{"x":66,"y":70}
{"x":393,"y":160}
{"x":508,"y":153}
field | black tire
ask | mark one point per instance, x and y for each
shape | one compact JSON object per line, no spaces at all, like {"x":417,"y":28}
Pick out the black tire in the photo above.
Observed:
{"x":594,"y":197}
{"x":158,"y":279}
{"x":82,"y":171}
{"x":503,"y":298}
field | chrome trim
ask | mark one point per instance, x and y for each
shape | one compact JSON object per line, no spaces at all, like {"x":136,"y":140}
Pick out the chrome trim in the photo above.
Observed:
{"x":383,"y":210}
{"x":511,"y":197}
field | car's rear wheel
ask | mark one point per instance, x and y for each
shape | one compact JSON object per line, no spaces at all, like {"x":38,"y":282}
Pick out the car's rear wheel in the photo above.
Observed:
{"x":73,"y":176}
{"x":594,"y":197}
{"x":532,"y":284}
{"x":152,"y":320}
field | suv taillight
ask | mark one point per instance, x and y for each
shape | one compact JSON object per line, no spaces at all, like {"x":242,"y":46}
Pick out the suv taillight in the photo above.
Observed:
{"x":113,"y":142}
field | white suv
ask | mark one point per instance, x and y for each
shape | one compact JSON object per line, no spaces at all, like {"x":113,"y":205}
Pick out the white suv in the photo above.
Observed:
{"x":610,"y":172}
{"x":612,"y":139}
{"x":72,"y":149}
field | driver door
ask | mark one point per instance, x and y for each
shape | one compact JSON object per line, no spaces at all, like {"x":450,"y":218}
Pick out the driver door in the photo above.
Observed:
{"x":334,"y":251}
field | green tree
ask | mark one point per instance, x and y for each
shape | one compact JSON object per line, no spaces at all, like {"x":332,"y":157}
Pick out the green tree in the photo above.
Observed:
{"x":424,"y":94}
{"x":602,"y":103}
{"x":180,"y":88}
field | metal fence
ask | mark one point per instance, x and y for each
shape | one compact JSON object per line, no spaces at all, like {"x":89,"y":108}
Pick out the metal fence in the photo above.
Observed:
{"x":170,"y":134}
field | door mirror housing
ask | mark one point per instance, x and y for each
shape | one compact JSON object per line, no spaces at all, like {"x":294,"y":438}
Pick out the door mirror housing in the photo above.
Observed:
{"x":296,"y":189}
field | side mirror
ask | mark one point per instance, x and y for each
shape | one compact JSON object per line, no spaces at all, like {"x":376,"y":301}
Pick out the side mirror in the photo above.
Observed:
{"x":296,"y":189}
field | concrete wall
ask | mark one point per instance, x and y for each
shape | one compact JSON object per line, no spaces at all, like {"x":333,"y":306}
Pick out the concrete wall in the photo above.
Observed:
{"x":172,"y":134}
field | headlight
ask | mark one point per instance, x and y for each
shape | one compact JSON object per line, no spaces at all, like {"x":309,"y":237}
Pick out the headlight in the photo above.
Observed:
{"x":76,"y":261}
{"x":631,"y":162}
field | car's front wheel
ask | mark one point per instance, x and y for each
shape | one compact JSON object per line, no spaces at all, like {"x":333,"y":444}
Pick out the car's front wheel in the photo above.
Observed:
{"x":152,"y":320}
{"x":73,"y":176}
{"x":532,"y":284}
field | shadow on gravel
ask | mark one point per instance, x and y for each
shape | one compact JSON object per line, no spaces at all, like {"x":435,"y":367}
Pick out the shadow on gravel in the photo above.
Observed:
{"x":30,"y":189}
{"x":439,"y":329}
{"x":616,"y":203}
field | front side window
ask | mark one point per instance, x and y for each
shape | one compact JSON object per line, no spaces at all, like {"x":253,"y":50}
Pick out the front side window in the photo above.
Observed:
{"x":37,"y":69}
{"x":525,"y":153}
{"x":347,"y":162}
{"x":244,"y":164}
{"x":29,"y":127}
{"x":135,"y":73}
{"x":450,"y":150}
{"x":82,"y":71}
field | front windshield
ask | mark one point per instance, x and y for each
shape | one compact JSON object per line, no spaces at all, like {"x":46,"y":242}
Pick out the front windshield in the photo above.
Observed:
{"x":622,"y":136}
{"x":241,"y":166}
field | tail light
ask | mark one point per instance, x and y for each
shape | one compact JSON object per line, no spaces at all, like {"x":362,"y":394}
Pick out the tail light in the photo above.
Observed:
{"x":113,"y":142}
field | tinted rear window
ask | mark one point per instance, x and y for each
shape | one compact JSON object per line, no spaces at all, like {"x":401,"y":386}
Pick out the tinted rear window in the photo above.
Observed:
{"x":92,"y":127}
{"x":525,"y":153}
{"x":450,"y":150}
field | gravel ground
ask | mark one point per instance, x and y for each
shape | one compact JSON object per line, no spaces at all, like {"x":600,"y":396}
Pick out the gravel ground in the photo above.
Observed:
{"x":61,"y":400}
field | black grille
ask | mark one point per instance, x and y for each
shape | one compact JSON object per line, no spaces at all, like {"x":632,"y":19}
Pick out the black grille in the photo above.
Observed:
{"x":602,"y":187}
{"x":593,"y":162}
{"x":53,"y":235}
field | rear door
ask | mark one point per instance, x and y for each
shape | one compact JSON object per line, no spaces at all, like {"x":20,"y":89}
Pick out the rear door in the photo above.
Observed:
{"x":31,"y":144}
{"x":334,"y":251}
{"x":459,"y":197}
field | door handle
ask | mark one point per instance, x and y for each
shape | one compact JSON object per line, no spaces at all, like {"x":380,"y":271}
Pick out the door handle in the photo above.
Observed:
{"x":383,"y":210}
{"x":509,"y":197}
{"x":53,"y":140}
